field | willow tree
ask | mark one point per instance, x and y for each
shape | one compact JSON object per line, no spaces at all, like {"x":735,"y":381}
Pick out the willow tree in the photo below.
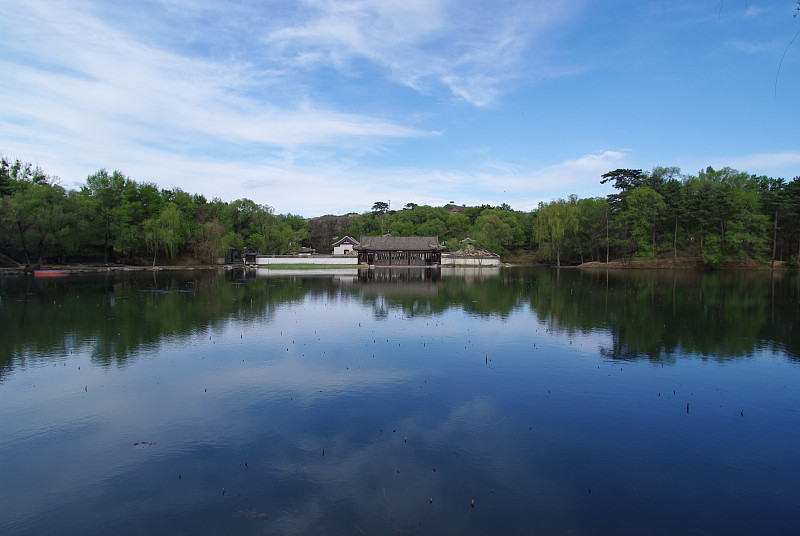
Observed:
{"x":554,"y":223}
{"x":165,"y":231}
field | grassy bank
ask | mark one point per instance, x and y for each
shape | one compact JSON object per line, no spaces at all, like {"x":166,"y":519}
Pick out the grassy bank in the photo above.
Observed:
{"x":688,"y":263}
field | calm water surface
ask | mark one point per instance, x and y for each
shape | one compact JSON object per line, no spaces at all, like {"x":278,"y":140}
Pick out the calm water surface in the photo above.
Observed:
{"x":521,"y":401}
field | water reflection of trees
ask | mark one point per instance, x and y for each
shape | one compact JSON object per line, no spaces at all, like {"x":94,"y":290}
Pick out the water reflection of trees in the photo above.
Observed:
{"x":418,"y":292}
{"x":658,"y":315}
{"x":119,"y":315}
{"x":654,"y":315}
{"x":651,"y":315}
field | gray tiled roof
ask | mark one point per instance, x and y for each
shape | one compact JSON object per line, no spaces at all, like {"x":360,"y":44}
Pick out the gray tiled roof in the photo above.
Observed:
{"x":400,"y":243}
{"x":347,"y":240}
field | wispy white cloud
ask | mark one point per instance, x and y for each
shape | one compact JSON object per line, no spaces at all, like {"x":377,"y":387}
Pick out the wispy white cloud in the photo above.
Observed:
{"x":83,"y":92}
{"x":580,"y":176}
{"x":323,"y":106}
{"x":766,"y":163}
{"x":73,"y":76}
{"x":755,"y":48}
{"x":494,"y":183}
{"x":426,"y":43}
{"x":755,"y":10}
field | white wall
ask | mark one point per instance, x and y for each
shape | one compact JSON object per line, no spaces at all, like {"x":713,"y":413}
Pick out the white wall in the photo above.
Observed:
{"x":450,"y":260}
{"x":447,"y":260}
{"x":343,"y":249}
{"x":342,"y":275}
{"x":313,"y":259}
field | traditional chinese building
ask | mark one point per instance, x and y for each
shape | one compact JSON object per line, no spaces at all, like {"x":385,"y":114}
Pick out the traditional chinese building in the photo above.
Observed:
{"x":388,"y":250}
{"x":344,"y":245}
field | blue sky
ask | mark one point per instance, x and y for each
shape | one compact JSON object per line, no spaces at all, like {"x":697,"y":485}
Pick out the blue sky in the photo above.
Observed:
{"x":320,"y":106}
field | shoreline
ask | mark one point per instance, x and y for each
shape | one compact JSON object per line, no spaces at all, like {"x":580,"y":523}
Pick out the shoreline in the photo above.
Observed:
{"x":662,"y":264}
{"x":686,"y":264}
{"x":85,"y":269}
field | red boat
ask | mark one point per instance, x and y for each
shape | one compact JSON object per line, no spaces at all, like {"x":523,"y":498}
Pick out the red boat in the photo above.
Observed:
{"x":50,"y":273}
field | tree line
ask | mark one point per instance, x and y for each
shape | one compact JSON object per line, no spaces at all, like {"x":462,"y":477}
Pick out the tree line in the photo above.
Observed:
{"x":114,"y":218}
{"x":714,"y":216}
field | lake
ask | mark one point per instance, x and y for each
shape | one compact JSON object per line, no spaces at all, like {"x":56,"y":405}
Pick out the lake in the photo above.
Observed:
{"x":484,"y":401}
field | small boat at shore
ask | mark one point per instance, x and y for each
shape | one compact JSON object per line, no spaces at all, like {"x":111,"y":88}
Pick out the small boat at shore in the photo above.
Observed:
{"x":50,"y":273}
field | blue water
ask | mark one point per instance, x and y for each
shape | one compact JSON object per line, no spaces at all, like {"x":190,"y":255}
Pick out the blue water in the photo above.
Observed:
{"x":344,"y":405}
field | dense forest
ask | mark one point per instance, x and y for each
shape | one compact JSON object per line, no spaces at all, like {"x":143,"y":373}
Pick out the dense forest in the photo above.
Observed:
{"x":714,"y":216}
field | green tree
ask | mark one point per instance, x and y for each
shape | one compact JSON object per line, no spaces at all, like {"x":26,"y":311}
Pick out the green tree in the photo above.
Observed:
{"x":473,"y":213}
{"x":365,"y":225}
{"x":432,"y":227}
{"x":644,"y":206}
{"x":299,"y":226}
{"x":402,"y":228}
{"x":256,"y":243}
{"x":457,"y":226}
{"x":790,"y":218}
{"x":671,"y":189}
{"x":554,"y":222}
{"x":107,"y":193}
{"x":165,"y":232}
{"x":591,"y":236}
{"x":247,"y":217}
{"x":212,"y":241}
{"x":747,"y":230}
{"x":491,"y":233}
{"x":44,"y":205}
{"x":624,"y":179}
{"x":15,"y":225}
{"x":80,"y":211}
{"x":5,"y":178}
{"x":33,"y":215}
{"x":279,"y":239}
